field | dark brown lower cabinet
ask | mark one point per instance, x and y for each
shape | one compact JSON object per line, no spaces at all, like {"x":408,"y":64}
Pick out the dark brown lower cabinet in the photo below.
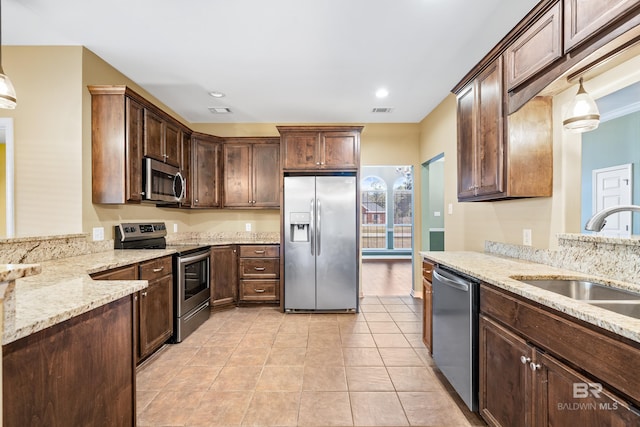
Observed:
{"x":427,"y":305}
{"x":524,"y":385}
{"x":156,"y":315}
{"x":80,"y":372}
{"x":224,"y":276}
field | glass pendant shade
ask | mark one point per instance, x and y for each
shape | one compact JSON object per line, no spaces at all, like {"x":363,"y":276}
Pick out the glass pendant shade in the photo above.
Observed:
{"x":582,"y":113}
{"x":7,"y":92}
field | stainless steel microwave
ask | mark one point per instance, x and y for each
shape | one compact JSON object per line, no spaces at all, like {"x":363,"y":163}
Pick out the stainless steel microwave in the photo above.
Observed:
{"x":162,"y":182}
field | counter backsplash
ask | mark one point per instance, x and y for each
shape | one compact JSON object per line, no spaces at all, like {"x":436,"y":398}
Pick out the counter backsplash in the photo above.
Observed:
{"x":29,"y":250}
{"x":613,"y":258}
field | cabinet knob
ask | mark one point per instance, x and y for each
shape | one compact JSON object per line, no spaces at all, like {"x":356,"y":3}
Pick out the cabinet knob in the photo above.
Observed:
{"x":196,"y":200}
{"x":525,"y":360}
{"x":144,"y":294}
{"x":535,"y":366}
{"x":318,"y":163}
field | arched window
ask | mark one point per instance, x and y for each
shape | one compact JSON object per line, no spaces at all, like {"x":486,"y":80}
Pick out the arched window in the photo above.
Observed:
{"x":374,"y":212}
{"x":402,"y":209}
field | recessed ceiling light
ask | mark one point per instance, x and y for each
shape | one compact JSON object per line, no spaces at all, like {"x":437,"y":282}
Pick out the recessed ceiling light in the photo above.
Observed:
{"x":220,"y":110}
{"x":217,"y":94}
{"x":382,"y":93}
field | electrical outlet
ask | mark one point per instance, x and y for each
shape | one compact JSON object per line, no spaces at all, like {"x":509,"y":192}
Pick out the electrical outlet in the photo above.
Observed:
{"x":98,"y":234}
{"x":450,"y":208}
{"x":175,"y":228}
{"x":247,"y":226}
{"x":526,"y":236}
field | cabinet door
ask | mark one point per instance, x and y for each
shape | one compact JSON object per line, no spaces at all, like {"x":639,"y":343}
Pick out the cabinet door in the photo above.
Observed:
{"x":489,"y":128}
{"x":427,"y":312}
{"x":339,"y":150}
{"x":266,"y":175}
{"x":156,"y":315}
{"x":154,"y":128}
{"x":585,"y":18}
{"x":224,"y":276}
{"x":206,"y":193}
{"x":466,"y":143}
{"x":299,"y":151}
{"x":133,"y":143}
{"x":565,"y":398}
{"x":534,"y":50}
{"x":505,"y":381}
{"x":237,"y":175}
{"x":172,"y":143}
{"x":185,"y":167}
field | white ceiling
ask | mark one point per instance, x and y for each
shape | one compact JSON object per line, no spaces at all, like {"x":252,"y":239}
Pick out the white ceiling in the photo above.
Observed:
{"x":278,"y":61}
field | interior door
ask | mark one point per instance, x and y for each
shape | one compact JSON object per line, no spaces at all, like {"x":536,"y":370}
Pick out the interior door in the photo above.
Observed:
{"x":613,"y":186}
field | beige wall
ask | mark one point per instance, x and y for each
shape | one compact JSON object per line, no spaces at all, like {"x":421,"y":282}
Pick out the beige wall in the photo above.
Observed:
{"x":470,"y":224}
{"x":47,"y":136}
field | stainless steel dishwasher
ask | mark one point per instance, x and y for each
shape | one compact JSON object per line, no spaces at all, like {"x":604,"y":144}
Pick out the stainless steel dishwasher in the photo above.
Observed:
{"x":455,"y":331}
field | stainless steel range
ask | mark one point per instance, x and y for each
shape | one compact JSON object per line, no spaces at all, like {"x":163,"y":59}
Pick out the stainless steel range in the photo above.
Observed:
{"x":191,"y":273}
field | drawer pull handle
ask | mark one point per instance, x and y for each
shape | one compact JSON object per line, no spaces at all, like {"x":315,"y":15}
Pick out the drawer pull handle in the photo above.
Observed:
{"x":158,"y":270}
{"x":258,"y":291}
{"x":259,"y":268}
{"x":259,"y":252}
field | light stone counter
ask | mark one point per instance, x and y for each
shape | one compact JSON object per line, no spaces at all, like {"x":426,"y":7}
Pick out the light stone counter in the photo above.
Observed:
{"x":63,"y":289}
{"x":504,"y":273}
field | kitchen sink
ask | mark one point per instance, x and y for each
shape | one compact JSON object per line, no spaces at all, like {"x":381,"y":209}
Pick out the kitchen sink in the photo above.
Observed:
{"x":584,"y":290}
{"x":626,"y":308}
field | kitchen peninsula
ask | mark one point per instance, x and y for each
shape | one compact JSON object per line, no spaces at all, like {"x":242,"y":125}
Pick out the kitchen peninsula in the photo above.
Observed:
{"x":538,"y":344}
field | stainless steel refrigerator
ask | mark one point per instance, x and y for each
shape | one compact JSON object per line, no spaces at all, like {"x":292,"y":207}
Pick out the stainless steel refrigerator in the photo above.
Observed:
{"x":320,"y":243}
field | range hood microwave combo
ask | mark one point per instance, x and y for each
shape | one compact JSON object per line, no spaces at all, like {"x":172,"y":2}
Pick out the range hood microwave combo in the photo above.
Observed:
{"x":162,"y":183}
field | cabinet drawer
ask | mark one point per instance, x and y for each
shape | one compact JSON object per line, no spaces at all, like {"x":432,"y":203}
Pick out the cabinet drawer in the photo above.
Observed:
{"x":259,"y":251}
{"x":259,"y":268}
{"x":427,"y":270}
{"x":259,"y":290}
{"x":156,"y":268}
{"x":128,"y":272}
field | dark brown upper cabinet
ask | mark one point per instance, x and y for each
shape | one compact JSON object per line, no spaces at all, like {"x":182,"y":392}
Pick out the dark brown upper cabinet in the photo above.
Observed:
{"x":205,"y":171}
{"x":584,"y":19}
{"x":535,"y":49}
{"x":502,"y":157}
{"x":251,"y":173}
{"x":320,"y":148}
{"x":162,"y":139}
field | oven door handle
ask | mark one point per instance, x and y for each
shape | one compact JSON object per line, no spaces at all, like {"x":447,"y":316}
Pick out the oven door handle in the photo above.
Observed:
{"x":194,"y":258}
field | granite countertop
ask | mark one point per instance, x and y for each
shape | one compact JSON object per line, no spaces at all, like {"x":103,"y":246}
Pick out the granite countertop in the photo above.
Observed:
{"x":63,"y":289}
{"x":505,"y":272}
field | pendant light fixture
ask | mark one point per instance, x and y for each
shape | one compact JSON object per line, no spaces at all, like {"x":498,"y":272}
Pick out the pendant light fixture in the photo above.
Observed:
{"x":582,"y":114}
{"x":7,"y":92}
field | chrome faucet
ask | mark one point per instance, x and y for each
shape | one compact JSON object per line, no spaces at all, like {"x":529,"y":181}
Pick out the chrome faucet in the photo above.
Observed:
{"x":597,"y":221}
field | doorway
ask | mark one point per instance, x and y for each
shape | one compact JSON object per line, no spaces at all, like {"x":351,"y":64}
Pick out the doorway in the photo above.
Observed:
{"x":387,"y":230}
{"x":432,"y":178}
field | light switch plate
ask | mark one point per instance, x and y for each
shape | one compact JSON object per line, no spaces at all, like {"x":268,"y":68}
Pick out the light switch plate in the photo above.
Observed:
{"x":98,"y":234}
{"x":247,"y":226}
{"x":450,"y":208}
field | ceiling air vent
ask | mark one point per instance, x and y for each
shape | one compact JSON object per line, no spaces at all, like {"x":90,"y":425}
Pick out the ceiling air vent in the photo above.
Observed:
{"x":220,"y":110}
{"x":382,"y":110}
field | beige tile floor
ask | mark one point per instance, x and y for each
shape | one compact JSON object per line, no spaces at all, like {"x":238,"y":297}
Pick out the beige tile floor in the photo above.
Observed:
{"x":259,"y":367}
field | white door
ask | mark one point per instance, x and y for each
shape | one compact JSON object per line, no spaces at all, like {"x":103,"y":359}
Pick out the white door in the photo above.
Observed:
{"x":611,"y":187}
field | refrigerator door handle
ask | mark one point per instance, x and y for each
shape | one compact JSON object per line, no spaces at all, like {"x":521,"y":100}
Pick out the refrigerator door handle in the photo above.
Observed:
{"x":311,"y":228}
{"x":318,"y":237}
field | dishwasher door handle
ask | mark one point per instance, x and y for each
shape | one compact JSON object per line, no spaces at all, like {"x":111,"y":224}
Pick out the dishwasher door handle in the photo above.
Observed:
{"x":460,"y":285}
